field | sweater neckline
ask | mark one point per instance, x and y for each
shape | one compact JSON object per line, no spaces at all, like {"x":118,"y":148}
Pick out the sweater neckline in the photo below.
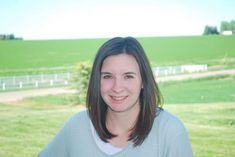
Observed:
{"x":123,"y":150}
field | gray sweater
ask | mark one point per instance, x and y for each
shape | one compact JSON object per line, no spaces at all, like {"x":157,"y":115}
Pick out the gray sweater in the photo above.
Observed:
{"x":168,"y":138}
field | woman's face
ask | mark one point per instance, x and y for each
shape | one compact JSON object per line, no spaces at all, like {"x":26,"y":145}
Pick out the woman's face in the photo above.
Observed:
{"x":121,"y":83}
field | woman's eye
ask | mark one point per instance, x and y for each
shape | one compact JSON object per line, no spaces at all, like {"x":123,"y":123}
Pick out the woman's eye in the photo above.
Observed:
{"x":107,"y":77}
{"x":129,"y":77}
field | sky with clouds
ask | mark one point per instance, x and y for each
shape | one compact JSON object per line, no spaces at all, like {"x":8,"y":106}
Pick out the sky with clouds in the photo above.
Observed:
{"x":69,"y":19}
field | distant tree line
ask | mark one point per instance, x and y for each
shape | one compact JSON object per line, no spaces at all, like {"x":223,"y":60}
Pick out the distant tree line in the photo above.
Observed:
{"x":225,"y":26}
{"x":228,"y":26}
{"x":210,"y":30}
{"x":9,"y":37}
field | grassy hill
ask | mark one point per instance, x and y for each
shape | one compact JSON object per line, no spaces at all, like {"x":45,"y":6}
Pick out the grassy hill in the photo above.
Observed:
{"x":161,"y":51}
{"x":206,"y":106}
{"x":188,"y":50}
{"x":46,"y":53}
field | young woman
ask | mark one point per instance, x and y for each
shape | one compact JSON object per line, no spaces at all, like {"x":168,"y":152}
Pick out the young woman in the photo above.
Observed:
{"x":124,"y":117}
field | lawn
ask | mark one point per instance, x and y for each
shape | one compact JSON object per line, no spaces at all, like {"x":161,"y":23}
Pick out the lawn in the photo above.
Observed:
{"x":205,"y":90}
{"x":28,"y":125}
{"x":211,"y":127}
{"x":206,"y":106}
{"x":25,"y":131}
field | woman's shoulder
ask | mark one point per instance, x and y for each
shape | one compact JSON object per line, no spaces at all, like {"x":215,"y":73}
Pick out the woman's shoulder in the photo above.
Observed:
{"x":80,"y":118}
{"x":169,"y":122}
{"x":81,"y":114}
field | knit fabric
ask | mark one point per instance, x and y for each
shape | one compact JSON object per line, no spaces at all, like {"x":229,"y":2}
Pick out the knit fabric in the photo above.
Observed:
{"x":167,"y":138}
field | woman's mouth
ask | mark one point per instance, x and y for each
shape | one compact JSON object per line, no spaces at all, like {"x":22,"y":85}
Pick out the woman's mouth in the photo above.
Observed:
{"x":118,"y":98}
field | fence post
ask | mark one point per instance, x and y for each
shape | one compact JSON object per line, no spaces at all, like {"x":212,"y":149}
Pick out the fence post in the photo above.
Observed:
{"x":170,"y":70}
{"x":36,"y":83}
{"x":3,"y":86}
{"x":165,"y":72}
{"x":205,"y":67}
{"x":157,"y":71}
{"x":181,"y":69}
{"x":21,"y":85}
{"x":51,"y":82}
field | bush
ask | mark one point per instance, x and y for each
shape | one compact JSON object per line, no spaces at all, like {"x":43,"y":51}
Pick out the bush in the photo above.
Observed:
{"x":82,"y":76}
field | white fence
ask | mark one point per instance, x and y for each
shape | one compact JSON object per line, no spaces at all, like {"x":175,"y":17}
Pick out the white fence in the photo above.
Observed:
{"x":172,"y":70}
{"x":65,"y":79}
{"x":34,"y":81}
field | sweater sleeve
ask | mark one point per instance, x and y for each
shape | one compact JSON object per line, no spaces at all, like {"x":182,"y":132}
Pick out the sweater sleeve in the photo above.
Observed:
{"x":57,"y":147}
{"x":180,"y":146}
{"x":174,"y":134}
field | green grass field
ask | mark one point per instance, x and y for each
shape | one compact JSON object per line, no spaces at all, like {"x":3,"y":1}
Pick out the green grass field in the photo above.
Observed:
{"x":206,"y":106}
{"x":27,"y":126}
{"x":211,"y":127}
{"x":25,"y":131}
{"x":205,"y":90}
{"x":44,"y":54}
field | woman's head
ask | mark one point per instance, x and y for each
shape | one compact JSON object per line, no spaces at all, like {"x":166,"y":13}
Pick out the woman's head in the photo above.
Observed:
{"x":120,"y":84}
{"x":149,"y":95}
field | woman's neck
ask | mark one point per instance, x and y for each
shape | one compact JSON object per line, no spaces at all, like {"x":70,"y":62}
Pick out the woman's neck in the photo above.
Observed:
{"x":121,"y":122}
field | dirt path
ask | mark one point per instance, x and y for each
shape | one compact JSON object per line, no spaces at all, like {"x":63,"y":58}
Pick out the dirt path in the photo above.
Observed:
{"x":19,"y":95}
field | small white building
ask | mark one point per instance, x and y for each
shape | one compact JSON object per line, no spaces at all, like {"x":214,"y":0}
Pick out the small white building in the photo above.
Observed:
{"x":227,"y":33}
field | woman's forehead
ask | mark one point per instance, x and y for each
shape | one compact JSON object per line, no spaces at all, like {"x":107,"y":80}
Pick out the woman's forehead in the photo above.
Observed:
{"x":120,"y":62}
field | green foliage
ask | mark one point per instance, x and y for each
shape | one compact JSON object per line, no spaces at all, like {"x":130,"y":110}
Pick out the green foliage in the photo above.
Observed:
{"x":82,"y":76}
{"x":228,"y":26}
{"x":9,"y":37}
{"x":210,"y":30}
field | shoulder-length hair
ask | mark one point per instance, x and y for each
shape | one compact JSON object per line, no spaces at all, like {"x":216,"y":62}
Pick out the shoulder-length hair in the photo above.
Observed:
{"x":150,"y":97}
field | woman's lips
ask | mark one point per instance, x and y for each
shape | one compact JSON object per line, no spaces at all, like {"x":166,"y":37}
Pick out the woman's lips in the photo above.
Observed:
{"x":118,"y":98}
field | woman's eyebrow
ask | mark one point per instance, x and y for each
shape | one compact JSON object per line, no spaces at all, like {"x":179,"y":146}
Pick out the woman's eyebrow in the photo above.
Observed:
{"x":105,"y":72}
{"x":126,"y":73}
{"x":133,"y":73}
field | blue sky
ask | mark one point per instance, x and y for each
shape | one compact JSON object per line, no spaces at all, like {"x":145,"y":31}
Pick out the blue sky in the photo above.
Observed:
{"x":66,"y":19}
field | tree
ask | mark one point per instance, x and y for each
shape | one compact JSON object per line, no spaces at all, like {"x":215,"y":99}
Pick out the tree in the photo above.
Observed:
{"x":9,"y":37}
{"x":227,"y":26}
{"x":210,"y":30}
{"x":232,"y":23}
{"x":82,"y":72}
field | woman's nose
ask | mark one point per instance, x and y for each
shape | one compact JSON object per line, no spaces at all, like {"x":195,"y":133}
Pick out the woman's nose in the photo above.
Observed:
{"x":117,"y":85}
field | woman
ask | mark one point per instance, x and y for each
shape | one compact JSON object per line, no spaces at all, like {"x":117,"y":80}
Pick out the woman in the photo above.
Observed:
{"x":123,"y":117}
